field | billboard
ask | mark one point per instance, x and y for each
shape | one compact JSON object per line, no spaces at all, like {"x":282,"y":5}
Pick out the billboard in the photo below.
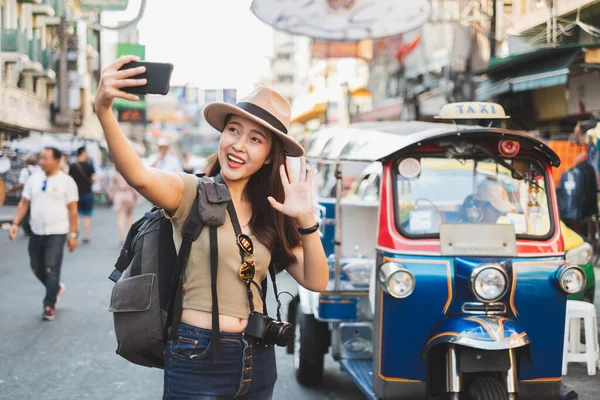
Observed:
{"x":134,"y":49}
{"x":131,"y":49}
{"x":133,"y":115}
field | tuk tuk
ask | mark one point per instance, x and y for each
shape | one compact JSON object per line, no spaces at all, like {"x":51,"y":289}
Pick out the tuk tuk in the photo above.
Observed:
{"x":449,"y":279}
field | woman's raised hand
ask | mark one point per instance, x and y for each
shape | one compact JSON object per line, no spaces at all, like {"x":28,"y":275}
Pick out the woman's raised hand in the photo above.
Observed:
{"x":113,"y":80}
{"x":298,"y":202}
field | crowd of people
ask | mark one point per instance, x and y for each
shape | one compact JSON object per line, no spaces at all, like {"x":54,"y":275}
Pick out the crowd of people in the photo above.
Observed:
{"x":57,"y":197}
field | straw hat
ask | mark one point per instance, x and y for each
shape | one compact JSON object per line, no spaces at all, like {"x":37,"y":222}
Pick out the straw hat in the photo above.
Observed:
{"x":264,"y":106}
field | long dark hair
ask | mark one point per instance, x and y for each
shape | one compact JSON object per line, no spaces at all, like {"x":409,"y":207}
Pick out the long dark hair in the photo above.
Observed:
{"x":278,"y":232}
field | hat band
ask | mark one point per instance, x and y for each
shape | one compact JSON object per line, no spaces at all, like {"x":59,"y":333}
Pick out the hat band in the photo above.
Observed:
{"x":262,"y":114}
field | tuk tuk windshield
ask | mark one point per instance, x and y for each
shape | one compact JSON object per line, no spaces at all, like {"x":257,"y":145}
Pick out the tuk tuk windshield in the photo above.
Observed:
{"x":433,"y":191}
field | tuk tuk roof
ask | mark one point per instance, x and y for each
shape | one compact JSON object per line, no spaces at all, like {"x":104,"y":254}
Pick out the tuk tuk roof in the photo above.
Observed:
{"x":378,"y":141}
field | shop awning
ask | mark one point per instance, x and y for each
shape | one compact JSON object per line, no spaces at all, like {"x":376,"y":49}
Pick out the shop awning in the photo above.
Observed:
{"x":315,"y":111}
{"x":537,"y":73}
{"x":541,"y":68}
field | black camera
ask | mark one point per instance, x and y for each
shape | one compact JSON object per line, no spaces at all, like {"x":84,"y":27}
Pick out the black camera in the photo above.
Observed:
{"x":268,"y":330}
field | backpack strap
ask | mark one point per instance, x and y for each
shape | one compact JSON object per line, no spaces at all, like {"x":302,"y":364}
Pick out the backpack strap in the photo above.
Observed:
{"x":189,"y":233}
{"x":126,"y":250}
{"x":214,"y":264}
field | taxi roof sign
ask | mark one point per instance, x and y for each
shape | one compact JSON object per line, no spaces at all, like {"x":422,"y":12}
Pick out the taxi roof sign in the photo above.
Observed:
{"x":472,"y":110}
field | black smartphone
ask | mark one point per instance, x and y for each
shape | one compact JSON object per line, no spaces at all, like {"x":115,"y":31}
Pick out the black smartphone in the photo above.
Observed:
{"x":158,"y":76}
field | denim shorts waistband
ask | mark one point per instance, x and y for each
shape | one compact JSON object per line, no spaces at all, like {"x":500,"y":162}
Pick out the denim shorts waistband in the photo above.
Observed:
{"x":194,"y":330}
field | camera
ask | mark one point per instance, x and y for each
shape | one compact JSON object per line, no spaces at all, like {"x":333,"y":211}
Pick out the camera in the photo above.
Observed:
{"x":268,"y":330}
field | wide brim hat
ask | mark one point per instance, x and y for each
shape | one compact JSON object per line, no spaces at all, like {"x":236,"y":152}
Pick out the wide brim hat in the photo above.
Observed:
{"x":264,"y":106}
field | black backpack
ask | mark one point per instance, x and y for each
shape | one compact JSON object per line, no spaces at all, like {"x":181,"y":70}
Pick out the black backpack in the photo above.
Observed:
{"x":146,"y":298}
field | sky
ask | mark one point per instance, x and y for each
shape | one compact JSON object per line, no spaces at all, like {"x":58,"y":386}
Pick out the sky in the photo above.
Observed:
{"x":211,"y":43}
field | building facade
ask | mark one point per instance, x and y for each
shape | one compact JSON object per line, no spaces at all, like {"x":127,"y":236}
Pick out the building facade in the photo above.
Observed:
{"x":48,"y":63}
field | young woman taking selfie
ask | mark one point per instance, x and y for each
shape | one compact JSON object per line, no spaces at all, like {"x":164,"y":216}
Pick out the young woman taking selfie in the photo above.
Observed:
{"x":275,"y":210}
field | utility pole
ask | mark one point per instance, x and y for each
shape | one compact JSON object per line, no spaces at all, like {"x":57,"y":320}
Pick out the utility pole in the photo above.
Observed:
{"x":493,"y":23}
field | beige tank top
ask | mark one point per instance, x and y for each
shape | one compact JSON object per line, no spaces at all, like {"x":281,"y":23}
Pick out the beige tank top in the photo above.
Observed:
{"x":231,"y":290}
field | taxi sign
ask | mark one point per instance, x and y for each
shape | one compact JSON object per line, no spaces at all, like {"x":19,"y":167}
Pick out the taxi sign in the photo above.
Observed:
{"x":472,"y":110}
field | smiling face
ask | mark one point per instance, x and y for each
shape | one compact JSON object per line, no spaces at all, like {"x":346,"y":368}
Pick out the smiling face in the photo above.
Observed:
{"x":244,"y":147}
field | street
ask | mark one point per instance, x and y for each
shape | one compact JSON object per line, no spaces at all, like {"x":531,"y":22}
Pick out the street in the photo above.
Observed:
{"x":73,"y":357}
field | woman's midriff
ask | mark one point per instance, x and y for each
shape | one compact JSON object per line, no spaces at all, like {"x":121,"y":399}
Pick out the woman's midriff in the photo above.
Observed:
{"x":203,"y":319}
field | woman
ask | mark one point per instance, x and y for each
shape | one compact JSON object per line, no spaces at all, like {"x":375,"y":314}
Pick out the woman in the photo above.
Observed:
{"x":124,"y":199}
{"x":275,"y":210}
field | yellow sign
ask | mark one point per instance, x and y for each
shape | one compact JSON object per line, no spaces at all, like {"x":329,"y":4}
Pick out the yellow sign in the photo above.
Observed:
{"x":592,"y":56}
{"x":339,"y":49}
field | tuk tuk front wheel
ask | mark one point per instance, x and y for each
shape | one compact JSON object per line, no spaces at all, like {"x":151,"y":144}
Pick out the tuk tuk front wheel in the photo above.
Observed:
{"x":310,"y":339}
{"x":487,"y":388}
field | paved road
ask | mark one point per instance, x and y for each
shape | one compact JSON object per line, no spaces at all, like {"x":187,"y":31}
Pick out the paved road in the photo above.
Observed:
{"x":73,"y":357}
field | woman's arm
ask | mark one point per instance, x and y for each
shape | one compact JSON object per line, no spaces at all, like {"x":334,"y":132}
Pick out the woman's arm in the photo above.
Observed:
{"x":161,"y":188}
{"x":310,"y":269}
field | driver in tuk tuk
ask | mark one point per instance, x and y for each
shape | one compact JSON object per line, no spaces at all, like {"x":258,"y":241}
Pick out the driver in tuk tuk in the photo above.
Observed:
{"x":490,"y":203}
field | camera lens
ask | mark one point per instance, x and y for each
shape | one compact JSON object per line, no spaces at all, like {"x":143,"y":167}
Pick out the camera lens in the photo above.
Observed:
{"x":282,"y":333}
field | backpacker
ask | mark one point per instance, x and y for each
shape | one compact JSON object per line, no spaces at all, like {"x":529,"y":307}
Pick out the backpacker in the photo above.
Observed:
{"x":148,"y":275}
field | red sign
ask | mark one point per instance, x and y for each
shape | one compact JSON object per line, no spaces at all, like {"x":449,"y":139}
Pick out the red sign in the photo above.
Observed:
{"x":132,"y":115}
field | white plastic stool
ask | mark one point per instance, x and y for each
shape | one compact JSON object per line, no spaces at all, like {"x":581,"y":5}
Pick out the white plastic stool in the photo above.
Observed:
{"x":573,"y":349}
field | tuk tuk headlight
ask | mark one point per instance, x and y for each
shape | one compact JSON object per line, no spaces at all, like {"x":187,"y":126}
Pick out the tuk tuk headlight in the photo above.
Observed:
{"x":571,"y":279}
{"x":580,"y":255}
{"x":397,"y":280}
{"x":489,"y":282}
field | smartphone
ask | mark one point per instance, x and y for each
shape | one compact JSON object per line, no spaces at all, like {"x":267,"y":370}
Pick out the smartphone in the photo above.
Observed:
{"x":158,"y":76}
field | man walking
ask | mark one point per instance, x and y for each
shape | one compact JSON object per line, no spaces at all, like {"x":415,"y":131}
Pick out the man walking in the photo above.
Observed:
{"x":52,"y":195}
{"x":83,"y":173}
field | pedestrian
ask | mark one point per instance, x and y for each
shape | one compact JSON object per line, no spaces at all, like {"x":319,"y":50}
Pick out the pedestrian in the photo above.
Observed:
{"x":275,"y":209}
{"x":165,"y":159}
{"x":52,"y":196}
{"x":30,"y":168}
{"x":187,"y":164}
{"x":83,"y":173}
{"x":124,"y":199}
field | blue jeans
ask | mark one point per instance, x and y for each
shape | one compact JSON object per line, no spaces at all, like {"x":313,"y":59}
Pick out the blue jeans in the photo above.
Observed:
{"x":46,"y":255}
{"x":244,"y":370}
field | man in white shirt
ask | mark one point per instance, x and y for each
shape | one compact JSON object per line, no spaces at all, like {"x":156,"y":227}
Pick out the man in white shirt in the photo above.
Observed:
{"x":53,"y":197}
{"x":165,"y":160}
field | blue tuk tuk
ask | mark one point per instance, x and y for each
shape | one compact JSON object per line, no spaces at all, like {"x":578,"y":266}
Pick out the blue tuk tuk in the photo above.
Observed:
{"x":448,"y":276}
